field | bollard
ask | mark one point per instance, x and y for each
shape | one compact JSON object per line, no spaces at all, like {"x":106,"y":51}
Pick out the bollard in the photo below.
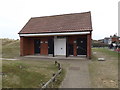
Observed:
{"x":53,"y":74}
{"x":59,"y":66}
{"x":55,"y":62}
{"x":51,"y":80}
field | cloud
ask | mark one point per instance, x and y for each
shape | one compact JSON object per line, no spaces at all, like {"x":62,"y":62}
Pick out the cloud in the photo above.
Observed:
{"x":15,"y":14}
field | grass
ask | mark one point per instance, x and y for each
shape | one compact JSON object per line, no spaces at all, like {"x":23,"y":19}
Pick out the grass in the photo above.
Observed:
{"x":10,"y":48}
{"x":31,"y":75}
{"x":25,"y":73}
{"x":58,"y":80}
{"x":104,"y":74}
{"x":106,"y":51}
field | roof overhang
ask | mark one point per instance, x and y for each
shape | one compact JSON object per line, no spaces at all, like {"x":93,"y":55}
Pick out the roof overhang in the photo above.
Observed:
{"x":55,"y":34}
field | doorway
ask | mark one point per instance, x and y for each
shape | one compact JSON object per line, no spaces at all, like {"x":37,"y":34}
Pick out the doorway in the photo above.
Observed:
{"x":70,"y":49}
{"x":82,"y":46}
{"x":60,"y":46}
{"x":37,"y":46}
{"x":50,"y":46}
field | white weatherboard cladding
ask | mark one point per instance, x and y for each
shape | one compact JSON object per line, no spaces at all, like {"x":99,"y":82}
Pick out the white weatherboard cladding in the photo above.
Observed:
{"x":60,"y":46}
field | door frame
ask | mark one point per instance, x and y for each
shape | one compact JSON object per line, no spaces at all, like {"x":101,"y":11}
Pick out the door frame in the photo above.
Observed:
{"x":70,"y":49}
{"x":35,"y":46}
{"x":49,"y":40}
{"x":56,"y":40}
{"x":83,"y":47}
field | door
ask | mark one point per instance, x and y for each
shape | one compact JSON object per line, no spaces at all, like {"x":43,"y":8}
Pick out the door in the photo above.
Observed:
{"x":82,"y":46}
{"x":37,"y":46}
{"x":50,"y":46}
{"x":70,"y":49}
{"x":60,"y":46}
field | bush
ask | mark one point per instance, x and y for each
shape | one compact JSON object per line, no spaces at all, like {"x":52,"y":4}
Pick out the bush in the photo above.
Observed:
{"x":99,"y":45}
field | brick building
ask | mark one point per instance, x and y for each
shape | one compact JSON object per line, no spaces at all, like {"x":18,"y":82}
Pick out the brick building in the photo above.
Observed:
{"x":65,"y":35}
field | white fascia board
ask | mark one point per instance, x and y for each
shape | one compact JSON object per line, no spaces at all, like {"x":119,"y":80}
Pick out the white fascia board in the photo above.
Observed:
{"x":55,"y":34}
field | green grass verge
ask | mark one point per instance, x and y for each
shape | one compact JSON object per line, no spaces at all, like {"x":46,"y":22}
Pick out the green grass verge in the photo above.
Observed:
{"x":106,"y":51}
{"x":104,"y":74}
{"x":31,"y":75}
{"x":33,"y":72}
{"x":10,"y":48}
{"x":58,"y":80}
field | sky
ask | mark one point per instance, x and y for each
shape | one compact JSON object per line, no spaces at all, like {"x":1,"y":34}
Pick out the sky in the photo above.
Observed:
{"x":14,"y":14}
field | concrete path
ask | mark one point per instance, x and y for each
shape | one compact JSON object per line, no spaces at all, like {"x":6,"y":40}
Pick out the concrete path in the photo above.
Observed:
{"x":56,"y":57}
{"x":77,"y":75}
{"x":8,"y":59}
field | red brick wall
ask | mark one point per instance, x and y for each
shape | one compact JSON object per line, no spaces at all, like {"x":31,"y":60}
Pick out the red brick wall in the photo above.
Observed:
{"x":75,"y":49}
{"x":89,"y":46}
{"x":30,"y":46}
{"x":26,"y":46}
{"x":21,"y":46}
{"x":71,"y":40}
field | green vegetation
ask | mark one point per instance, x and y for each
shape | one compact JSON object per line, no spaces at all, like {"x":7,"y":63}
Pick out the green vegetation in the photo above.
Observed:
{"x":58,"y":80}
{"x":25,"y":73}
{"x":10,"y":48}
{"x":94,"y":58}
{"x":29,"y":73}
{"x":96,"y":43}
{"x":106,"y":51}
{"x":104,"y":74}
{"x":0,"y":47}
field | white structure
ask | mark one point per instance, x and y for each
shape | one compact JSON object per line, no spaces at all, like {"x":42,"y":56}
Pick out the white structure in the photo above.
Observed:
{"x":60,"y":46}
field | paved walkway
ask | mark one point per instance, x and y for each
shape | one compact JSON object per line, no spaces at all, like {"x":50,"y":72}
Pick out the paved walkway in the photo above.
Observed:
{"x":77,"y":75}
{"x":8,"y":59}
{"x":56,"y":57}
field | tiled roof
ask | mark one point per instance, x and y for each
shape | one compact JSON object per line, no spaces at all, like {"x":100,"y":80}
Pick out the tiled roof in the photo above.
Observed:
{"x":59,"y":23}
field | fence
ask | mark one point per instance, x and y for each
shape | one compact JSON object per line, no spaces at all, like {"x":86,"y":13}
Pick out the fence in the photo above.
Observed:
{"x":53,"y":77}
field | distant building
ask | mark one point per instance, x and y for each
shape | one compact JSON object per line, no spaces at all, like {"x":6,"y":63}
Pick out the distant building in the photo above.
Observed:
{"x":114,"y":42}
{"x":111,"y":39}
{"x":115,"y":39}
{"x":106,"y":40}
{"x":101,"y":40}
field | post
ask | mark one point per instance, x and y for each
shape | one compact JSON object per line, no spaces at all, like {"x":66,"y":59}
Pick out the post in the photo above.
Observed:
{"x":89,"y":46}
